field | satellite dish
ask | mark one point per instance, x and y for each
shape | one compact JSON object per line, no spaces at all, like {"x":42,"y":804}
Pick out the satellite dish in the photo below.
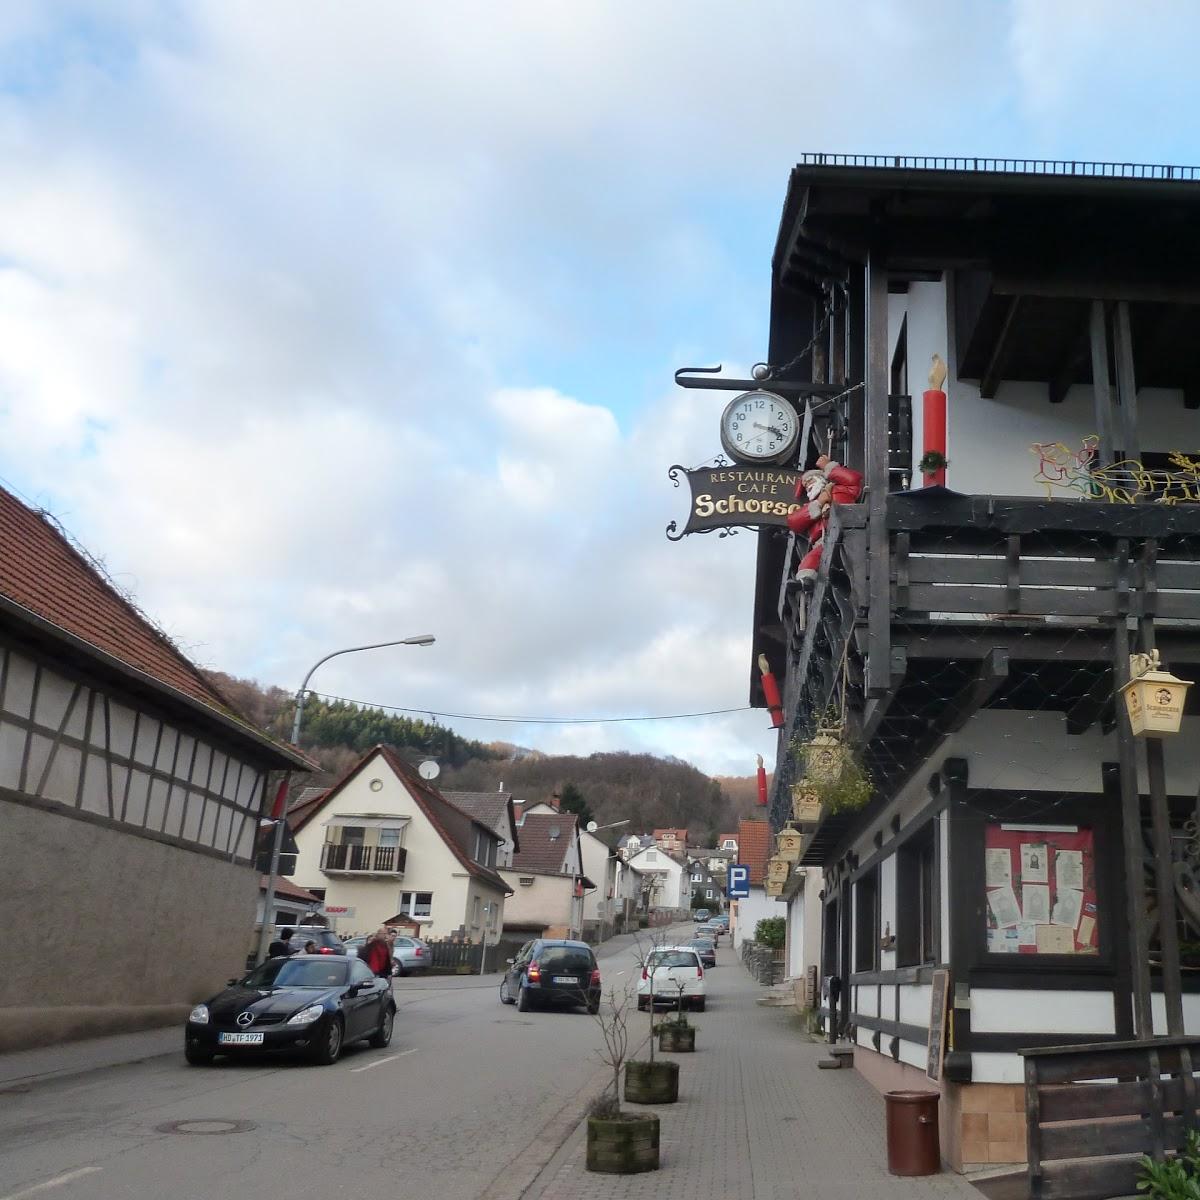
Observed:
{"x":429,"y":769}
{"x":592,"y":827}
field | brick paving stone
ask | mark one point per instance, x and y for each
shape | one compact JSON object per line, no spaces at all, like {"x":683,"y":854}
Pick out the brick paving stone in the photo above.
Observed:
{"x":756,"y":1120}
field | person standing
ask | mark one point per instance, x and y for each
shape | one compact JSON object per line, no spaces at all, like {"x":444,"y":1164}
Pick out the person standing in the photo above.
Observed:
{"x":282,"y":946}
{"x":377,"y":954}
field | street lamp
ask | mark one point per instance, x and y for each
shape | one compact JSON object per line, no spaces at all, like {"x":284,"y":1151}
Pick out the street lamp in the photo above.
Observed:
{"x":421,"y":639}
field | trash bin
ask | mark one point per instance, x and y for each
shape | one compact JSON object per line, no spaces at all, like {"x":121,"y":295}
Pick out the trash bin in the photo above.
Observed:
{"x":912,"y":1133}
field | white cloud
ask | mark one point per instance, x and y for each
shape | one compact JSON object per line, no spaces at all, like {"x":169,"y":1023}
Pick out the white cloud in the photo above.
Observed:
{"x":331,"y":325}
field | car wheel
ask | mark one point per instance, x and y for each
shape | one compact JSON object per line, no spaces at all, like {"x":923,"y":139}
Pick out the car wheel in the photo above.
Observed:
{"x":641,"y":1004}
{"x":398,"y":969}
{"x":505,"y":998}
{"x":329,"y":1046}
{"x":383,"y":1035}
{"x":698,"y":1005}
{"x":524,"y":1004}
{"x":593,"y":1007}
{"x":197,"y":1056}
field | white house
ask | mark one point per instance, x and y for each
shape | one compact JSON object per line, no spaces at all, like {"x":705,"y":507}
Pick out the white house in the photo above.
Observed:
{"x":665,"y":876}
{"x":599,"y":901}
{"x":495,"y":810}
{"x":546,"y":876}
{"x":383,"y":843}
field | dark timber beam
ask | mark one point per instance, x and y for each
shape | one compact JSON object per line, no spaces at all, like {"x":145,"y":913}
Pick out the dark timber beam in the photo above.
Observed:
{"x":877,"y":708}
{"x":1001,"y":352}
{"x":1067,"y":371}
{"x":1100,"y":385}
{"x":876,"y":404}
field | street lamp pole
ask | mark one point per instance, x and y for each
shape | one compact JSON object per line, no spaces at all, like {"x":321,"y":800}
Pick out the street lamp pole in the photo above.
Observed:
{"x":422,"y":639}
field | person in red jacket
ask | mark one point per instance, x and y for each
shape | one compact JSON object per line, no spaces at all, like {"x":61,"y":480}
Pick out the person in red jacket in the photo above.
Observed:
{"x":829,"y":484}
{"x":377,"y":954}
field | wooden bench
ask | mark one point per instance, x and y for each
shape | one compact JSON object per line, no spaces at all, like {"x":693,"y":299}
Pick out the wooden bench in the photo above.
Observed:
{"x":1093,"y":1110}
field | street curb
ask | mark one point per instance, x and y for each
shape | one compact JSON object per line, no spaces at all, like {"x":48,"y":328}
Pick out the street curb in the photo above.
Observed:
{"x":550,"y":1139}
{"x":22,"y":1083}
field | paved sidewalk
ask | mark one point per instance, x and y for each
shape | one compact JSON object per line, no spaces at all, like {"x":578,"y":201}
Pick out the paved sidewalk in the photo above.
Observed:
{"x":755,"y":1120}
{"x":92,"y":1054}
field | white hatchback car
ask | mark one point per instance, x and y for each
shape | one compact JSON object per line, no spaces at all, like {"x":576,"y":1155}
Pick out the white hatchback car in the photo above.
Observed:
{"x":669,"y":971}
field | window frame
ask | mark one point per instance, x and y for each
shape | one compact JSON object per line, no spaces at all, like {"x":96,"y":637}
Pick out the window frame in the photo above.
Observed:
{"x":918,"y":898}
{"x":866,"y":921}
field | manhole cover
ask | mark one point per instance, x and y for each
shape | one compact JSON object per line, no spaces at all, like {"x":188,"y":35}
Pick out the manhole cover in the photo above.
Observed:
{"x":206,"y":1125}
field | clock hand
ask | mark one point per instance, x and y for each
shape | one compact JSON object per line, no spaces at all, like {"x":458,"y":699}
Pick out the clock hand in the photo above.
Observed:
{"x":770,"y":429}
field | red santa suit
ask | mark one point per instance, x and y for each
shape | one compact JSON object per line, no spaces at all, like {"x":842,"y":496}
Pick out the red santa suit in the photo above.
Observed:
{"x":844,"y":485}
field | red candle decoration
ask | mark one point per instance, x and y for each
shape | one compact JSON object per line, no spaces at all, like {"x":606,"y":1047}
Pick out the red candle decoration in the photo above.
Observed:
{"x":934,"y":422}
{"x":762,"y":783}
{"x":771,"y":692}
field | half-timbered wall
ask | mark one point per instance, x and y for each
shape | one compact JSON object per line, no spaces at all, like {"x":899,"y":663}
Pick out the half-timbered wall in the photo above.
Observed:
{"x":66,"y":741}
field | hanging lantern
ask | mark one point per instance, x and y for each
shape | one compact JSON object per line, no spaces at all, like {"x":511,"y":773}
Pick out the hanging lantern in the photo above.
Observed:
{"x":1154,"y":698}
{"x":823,"y":757}
{"x":778,"y":870}
{"x":762,"y":782}
{"x":774,"y":887}
{"x":771,"y":692}
{"x":788,"y":844}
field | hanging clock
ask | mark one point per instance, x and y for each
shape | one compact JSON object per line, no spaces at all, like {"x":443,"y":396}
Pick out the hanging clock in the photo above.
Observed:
{"x":759,"y":427}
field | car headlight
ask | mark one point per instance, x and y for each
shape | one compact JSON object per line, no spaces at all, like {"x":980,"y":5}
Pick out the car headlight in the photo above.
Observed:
{"x":306,"y":1016}
{"x":199,"y":1015}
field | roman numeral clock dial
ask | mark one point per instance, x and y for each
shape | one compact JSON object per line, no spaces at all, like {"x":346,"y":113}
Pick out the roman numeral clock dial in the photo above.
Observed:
{"x":759,"y":427}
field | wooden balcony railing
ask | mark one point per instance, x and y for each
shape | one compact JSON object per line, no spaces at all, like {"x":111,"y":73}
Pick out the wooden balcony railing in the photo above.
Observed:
{"x":366,"y":860}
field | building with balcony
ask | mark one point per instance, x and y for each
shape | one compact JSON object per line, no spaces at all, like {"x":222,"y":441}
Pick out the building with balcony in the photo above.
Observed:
{"x":970,"y":623}
{"x":384,"y":843}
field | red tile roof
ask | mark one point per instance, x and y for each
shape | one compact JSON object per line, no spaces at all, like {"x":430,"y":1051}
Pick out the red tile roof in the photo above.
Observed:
{"x":289,"y":890}
{"x":754,"y":848}
{"x":451,"y":824}
{"x":678,"y":834}
{"x":41,"y":571}
{"x":542,"y":849}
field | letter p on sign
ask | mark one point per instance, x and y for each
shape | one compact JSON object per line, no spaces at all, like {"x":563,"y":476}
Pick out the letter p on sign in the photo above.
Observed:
{"x":739,"y":881}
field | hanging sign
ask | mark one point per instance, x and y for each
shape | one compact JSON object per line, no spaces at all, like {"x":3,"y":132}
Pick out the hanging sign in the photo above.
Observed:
{"x":722,"y":497}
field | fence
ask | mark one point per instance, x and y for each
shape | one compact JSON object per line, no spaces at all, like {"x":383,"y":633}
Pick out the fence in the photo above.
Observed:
{"x":448,"y":956}
{"x":763,"y":962}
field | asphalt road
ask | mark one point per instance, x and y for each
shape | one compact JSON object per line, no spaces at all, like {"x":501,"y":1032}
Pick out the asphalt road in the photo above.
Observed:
{"x":468,"y":1102}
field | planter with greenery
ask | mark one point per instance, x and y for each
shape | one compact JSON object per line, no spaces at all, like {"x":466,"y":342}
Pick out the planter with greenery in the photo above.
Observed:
{"x":618,"y":1143}
{"x":835,"y":778}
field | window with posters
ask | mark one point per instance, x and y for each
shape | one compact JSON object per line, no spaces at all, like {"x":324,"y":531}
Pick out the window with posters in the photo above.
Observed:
{"x":1041,"y":889}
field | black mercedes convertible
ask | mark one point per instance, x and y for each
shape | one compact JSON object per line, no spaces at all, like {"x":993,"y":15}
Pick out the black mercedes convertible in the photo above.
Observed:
{"x":314,"y":1004}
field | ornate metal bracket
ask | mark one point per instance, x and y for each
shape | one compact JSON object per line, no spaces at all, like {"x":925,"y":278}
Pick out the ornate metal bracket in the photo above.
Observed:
{"x":686,"y":377}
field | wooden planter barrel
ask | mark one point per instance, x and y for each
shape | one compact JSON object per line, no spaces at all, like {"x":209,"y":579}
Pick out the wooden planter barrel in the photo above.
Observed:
{"x":651,"y":1082}
{"x":677,"y":1039}
{"x":624,"y":1145}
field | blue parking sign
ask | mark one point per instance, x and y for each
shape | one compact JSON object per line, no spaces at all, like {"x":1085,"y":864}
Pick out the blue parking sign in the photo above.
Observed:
{"x":738,"y":886}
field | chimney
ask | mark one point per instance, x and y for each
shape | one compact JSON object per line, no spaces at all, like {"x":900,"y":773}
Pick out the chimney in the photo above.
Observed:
{"x":555,"y":801}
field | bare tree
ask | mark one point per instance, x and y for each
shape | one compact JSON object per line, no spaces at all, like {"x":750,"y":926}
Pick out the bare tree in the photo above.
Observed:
{"x":613,"y":1019}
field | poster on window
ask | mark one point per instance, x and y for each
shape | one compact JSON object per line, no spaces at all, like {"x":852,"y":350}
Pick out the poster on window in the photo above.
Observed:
{"x":1041,"y":889}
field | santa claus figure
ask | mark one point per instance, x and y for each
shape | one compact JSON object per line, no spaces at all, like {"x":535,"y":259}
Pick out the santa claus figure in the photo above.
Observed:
{"x":830,"y":483}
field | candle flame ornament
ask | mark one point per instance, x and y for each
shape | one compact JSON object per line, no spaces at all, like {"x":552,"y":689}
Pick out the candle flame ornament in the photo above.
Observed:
{"x":771,"y":692}
{"x":762,"y":783}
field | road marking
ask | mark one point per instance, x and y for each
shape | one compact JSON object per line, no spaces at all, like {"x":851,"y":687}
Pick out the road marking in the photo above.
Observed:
{"x":354,"y":1071}
{"x":57,"y":1181}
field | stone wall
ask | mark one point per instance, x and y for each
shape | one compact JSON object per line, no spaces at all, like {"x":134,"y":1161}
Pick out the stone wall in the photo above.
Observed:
{"x":763,"y":962}
{"x":107,"y":931}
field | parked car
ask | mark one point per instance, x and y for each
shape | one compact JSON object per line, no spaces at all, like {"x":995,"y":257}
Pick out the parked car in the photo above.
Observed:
{"x":707,"y":949}
{"x":327,"y":941}
{"x":552,"y":971}
{"x":314,"y":1004}
{"x":711,"y":930}
{"x":669,"y":970}
{"x":700,"y":915}
{"x":722,"y":920}
{"x":410,"y":954}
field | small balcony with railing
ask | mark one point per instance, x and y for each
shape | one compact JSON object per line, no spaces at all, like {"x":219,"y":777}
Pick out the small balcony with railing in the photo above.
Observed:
{"x":363,"y":850}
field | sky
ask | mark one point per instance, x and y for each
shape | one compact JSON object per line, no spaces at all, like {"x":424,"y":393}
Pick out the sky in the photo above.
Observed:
{"x":324,"y":323}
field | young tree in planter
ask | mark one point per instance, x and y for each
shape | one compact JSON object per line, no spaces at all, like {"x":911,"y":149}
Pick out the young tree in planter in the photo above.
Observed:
{"x":651,"y":1082}
{"x":618,"y":1143}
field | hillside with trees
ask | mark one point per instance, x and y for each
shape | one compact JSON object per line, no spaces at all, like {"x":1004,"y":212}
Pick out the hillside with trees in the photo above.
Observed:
{"x":649,"y":791}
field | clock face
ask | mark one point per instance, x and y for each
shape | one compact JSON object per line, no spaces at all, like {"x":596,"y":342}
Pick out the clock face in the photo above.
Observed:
{"x":759,"y":427}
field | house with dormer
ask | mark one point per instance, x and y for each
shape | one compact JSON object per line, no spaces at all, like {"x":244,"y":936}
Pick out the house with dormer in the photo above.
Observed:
{"x":383,"y":843}
{"x":546,"y":876}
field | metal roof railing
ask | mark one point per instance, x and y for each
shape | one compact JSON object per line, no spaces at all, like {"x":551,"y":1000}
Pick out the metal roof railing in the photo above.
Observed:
{"x":1010,"y":166}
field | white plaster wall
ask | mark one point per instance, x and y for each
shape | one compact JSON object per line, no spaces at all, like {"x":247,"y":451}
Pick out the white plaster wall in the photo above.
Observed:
{"x":546,"y":902}
{"x":916,"y":1054}
{"x":673,"y":872}
{"x":915,"y":999}
{"x":866,"y":1001}
{"x":430,"y":866}
{"x":758,"y":906}
{"x":1009,"y":1010}
{"x":988,"y":441}
{"x":600,"y":869}
{"x":997,"y":1068}
{"x":1191,"y":1013}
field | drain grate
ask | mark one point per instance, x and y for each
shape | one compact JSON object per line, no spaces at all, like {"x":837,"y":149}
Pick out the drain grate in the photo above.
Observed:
{"x":206,"y":1125}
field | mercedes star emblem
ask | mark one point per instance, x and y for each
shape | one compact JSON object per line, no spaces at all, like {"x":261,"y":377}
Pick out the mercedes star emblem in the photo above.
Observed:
{"x":245,"y":1018}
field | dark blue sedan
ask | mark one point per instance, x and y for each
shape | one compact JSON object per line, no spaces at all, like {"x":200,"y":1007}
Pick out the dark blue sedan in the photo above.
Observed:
{"x":311,"y":1003}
